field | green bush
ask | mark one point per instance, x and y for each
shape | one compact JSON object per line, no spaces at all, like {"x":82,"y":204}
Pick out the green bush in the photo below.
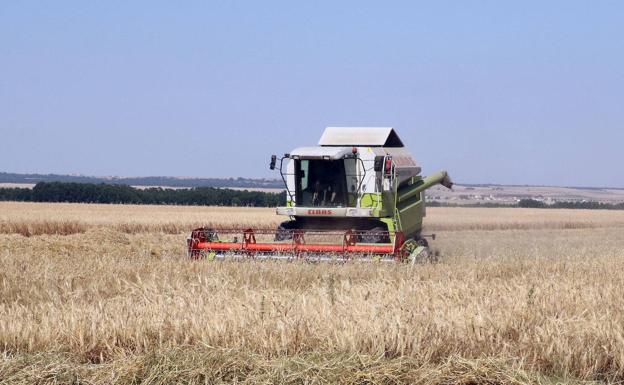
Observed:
{"x":109,"y":193}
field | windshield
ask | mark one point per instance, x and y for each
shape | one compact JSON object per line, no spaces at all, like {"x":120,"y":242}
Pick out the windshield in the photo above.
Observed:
{"x":321,"y":183}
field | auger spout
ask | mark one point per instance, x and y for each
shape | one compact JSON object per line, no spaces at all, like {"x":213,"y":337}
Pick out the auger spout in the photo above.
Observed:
{"x":440,"y":177}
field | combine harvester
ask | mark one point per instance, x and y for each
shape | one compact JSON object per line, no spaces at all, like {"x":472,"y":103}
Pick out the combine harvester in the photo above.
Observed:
{"x":358,"y":195}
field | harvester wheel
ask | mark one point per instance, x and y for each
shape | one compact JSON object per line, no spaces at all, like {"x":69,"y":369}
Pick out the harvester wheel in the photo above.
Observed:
{"x":430,"y":255}
{"x":422,"y":242}
{"x":211,"y":235}
{"x":417,"y":251}
{"x":374,"y":235}
{"x":284,"y":231}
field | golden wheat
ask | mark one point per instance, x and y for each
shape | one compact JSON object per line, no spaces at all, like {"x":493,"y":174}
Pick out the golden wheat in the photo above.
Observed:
{"x":519,"y":296}
{"x":60,"y":218}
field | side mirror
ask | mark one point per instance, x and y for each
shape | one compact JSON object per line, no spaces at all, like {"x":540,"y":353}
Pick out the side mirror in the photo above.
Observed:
{"x":273,"y":161}
{"x":379,"y":163}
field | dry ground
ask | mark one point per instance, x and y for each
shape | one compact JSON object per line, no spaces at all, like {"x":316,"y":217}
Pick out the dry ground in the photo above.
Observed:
{"x":462,"y":194}
{"x":104,"y":294}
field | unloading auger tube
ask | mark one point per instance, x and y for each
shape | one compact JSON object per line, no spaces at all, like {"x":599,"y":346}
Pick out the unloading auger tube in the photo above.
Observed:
{"x":358,"y":195}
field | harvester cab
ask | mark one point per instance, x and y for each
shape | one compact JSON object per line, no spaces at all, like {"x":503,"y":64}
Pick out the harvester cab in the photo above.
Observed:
{"x":357,"y":195}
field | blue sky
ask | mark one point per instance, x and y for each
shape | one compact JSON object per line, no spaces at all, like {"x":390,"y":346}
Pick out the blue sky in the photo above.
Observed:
{"x":526,"y":92}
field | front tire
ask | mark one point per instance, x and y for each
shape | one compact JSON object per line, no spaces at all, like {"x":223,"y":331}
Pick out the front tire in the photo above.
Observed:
{"x":375,"y":235}
{"x":284,"y":231}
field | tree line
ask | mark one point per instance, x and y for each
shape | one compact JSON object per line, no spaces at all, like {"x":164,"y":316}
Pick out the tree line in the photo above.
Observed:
{"x":533,"y":203}
{"x":588,"y":205}
{"x":209,"y":196}
{"x":112,"y":193}
{"x":155,"y":181}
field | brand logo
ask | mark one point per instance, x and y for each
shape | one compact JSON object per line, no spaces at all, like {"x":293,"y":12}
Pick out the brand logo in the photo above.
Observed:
{"x":319,"y":212}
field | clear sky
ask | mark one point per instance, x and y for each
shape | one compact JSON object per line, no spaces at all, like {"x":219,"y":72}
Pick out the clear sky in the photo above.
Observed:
{"x":524,"y":92}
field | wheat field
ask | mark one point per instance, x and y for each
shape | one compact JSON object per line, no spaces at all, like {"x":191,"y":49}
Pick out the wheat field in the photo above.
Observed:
{"x":103,"y":294}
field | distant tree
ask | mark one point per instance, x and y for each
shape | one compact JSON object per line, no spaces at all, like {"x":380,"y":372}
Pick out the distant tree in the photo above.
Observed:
{"x":531,"y":203}
{"x":15,"y":194}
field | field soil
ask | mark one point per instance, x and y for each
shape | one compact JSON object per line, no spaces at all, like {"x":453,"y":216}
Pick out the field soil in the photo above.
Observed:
{"x":104,"y":294}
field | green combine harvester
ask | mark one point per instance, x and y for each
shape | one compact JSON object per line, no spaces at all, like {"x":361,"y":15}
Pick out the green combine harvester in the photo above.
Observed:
{"x":358,"y":195}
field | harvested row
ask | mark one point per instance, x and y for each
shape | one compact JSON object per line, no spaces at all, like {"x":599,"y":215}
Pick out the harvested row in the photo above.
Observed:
{"x":207,"y":365}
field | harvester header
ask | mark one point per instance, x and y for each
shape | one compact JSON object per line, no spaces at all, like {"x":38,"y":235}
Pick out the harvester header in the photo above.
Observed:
{"x":357,"y":195}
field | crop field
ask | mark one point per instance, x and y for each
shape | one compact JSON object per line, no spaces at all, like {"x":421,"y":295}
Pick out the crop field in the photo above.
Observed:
{"x":104,"y":294}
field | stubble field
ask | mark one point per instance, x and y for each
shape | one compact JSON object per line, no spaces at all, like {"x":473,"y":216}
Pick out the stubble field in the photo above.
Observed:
{"x":104,"y":294}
